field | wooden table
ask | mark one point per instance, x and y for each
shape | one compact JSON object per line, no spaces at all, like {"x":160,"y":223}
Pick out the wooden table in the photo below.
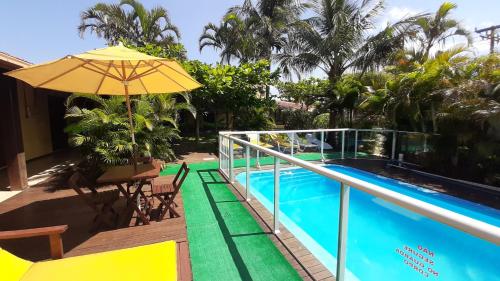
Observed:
{"x":119,"y":175}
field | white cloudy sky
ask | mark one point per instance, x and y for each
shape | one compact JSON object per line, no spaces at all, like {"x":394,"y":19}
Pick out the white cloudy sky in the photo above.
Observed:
{"x":471,"y":20}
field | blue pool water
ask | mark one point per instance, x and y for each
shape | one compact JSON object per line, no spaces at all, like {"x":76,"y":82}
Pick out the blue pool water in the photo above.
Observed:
{"x":385,"y":241}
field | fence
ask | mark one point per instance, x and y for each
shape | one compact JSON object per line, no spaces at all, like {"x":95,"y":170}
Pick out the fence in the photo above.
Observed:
{"x":229,"y":141}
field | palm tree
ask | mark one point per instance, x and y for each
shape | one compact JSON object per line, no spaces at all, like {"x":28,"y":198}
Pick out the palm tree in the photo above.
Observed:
{"x":129,"y":21}
{"x":438,"y":28}
{"x":413,"y":99}
{"x":338,"y":37}
{"x":269,"y":20}
{"x":251,"y":32}
{"x":231,"y":38}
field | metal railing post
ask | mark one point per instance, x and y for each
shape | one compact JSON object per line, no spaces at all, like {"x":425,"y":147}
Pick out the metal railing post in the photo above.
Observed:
{"x":291,"y":149}
{"x":343,"y":222}
{"x":425,"y":143}
{"x":276,"y":221}
{"x":355,"y":144}
{"x":231,"y":160}
{"x":257,"y":163}
{"x":223,"y":155}
{"x":220,"y":150}
{"x":343,"y":140}
{"x":393,"y":152}
{"x":247,"y":187}
{"x":322,"y":146}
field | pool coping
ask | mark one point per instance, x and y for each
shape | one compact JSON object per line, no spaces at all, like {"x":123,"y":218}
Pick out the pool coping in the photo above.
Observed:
{"x":302,"y":260}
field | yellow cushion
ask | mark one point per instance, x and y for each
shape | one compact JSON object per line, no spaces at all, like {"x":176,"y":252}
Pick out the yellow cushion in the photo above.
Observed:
{"x":12,"y":267}
{"x":150,"y":262}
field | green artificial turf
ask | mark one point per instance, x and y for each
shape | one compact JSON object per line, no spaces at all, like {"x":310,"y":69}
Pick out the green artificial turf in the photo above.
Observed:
{"x":225,"y":241}
{"x":240,"y":161}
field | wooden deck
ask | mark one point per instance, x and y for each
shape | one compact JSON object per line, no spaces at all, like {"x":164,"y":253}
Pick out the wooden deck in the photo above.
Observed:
{"x":38,"y":207}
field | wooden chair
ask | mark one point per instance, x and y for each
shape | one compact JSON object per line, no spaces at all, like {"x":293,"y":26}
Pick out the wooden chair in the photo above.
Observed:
{"x":159,"y":164}
{"x":52,"y":232}
{"x":101,"y":202}
{"x":165,"y":190}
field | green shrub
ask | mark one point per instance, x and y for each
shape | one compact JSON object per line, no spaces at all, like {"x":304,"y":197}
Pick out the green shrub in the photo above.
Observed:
{"x":297,"y":119}
{"x":102,"y":131}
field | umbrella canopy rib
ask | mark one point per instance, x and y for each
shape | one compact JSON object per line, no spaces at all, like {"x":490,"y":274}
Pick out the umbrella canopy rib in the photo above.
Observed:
{"x":147,"y":72}
{"x":134,"y":69}
{"x":98,"y":70}
{"x":102,"y":73}
{"x":60,"y":75}
{"x":168,"y":77}
{"x":143,"y":85}
{"x":103,"y":77}
{"x":185,"y":75}
{"x":122,"y":78}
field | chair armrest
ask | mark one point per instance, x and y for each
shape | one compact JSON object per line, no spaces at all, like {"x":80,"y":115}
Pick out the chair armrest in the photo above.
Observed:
{"x":53,"y":232}
{"x":33,"y":232}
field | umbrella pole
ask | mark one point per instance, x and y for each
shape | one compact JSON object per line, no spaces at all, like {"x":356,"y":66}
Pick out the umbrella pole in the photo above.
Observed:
{"x":129,"y":109}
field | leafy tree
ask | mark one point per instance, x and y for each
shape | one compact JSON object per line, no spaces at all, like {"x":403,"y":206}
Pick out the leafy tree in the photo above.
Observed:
{"x":298,"y":119}
{"x":254,"y":118}
{"x":438,"y":28}
{"x":231,"y":90}
{"x":321,"y":121}
{"x":130,"y":22}
{"x":100,"y":129}
{"x":304,"y":92}
{"x":175,"y":51}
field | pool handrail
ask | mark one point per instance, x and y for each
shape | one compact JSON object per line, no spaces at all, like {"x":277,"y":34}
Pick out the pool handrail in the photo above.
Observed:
{"x":227,"y":141}
{"x":472,"y":226}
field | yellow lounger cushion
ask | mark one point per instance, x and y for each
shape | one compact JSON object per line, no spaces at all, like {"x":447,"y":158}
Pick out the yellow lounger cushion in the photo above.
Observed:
{"x":12,"y":268}
{"x":150,"y":262}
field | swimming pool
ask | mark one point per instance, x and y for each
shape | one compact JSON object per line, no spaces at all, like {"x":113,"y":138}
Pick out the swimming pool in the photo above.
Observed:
{"x":385,"y":241}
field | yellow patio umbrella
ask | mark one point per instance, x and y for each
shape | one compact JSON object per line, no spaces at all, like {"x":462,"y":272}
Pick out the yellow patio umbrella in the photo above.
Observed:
{"x":113,"y":70}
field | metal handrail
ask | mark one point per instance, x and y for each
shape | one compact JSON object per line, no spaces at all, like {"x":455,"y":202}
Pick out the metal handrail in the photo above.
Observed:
{"x":282,"y":131}
{"x":469,"y":225}
{"x":319,"y":131}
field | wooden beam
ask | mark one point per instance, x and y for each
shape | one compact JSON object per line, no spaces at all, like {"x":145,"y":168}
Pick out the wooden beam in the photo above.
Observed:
{"x":16,"y":171}
{"x":12,"y":139}
{"x":53,"y":232}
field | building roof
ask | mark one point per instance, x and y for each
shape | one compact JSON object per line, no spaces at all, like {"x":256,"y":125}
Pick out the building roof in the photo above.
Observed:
{"x":10,"y":62}
{"x":291,"y":105}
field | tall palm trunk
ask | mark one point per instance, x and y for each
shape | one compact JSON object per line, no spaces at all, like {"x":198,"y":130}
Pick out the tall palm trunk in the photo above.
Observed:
{"x":197,"y":127}
{"x":333,"y":77}
{"x":434,"y":119}
{"x":227,"y":120}
{"x":268,"y":58}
